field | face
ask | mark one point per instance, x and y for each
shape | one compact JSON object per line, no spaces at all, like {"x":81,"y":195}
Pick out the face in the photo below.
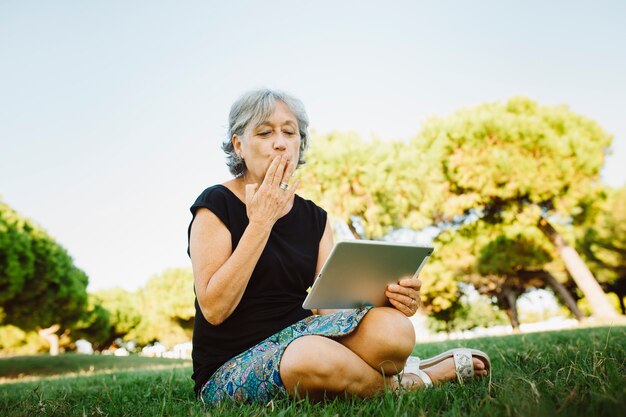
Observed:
{"x":277,"y":135}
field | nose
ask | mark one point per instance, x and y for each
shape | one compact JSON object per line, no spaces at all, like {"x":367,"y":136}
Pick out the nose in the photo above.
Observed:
{"x":280,"y":142}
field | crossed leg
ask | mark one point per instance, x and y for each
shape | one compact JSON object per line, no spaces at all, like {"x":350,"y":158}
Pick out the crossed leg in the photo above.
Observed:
{"x":362,"y":363}
{"x":384,"y":340}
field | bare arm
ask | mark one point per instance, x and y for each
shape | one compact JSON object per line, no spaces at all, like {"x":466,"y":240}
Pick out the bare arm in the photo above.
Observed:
{"x":221,"y":274}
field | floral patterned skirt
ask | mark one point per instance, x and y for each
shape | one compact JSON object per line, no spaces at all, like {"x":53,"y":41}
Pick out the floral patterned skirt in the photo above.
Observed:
{"x":253,"y":375}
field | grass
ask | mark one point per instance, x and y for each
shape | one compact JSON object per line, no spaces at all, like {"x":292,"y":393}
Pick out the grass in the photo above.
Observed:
{"x":65,"y":365}
{"x":578,"y":372}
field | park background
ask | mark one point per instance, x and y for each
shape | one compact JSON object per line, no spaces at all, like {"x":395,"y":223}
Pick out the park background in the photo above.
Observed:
{"x":111,"y":117}
{"x":494,"y":128}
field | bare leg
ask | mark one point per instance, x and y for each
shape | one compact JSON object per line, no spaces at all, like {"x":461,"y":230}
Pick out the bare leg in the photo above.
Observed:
{"x":318,"y":366}
{"x":358,"y":364}
{"x":321,"y":367}
{"x":384,"y":340}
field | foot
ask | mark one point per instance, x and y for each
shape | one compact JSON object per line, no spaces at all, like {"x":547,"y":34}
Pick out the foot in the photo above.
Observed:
{"x":443,"y":372}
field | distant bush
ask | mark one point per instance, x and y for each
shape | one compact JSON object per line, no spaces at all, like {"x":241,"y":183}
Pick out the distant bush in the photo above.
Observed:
{"x":471,"y":312}
{"x":15,"y":341}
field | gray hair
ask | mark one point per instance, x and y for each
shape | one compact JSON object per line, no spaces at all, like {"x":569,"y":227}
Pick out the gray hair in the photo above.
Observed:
{"x":255,"y":107}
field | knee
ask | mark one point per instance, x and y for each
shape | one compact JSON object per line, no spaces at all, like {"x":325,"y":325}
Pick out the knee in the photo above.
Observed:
{"x":394,"y":332}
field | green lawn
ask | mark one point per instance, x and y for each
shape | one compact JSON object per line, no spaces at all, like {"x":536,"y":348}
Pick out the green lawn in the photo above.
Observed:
{"x":571,"y":373}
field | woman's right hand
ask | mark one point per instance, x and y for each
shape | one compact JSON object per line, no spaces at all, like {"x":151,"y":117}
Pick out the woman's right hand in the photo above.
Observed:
{"x":265,"y":204}
{"x":221,"y":273}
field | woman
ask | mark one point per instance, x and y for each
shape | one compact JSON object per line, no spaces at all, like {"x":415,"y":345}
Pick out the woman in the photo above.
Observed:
{"x":256,"y":247}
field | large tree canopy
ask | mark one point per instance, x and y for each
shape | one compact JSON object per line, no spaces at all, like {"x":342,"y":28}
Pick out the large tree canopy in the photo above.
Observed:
{"x":374,"y":186}
{"x":517,"y":164}
{"x":16,"y":256}
{"x":502,"y":181}
{"x":40,"y":285}
{"x":498,"y":158}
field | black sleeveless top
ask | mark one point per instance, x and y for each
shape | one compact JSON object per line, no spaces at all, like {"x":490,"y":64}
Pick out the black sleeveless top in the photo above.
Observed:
{"x":277,"y":288}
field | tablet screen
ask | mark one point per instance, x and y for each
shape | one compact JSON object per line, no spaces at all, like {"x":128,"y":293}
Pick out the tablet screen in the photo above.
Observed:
{"x":357,"y":273}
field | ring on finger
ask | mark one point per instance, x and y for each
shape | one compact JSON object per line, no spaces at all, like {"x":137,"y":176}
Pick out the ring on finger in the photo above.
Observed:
{"x":283,"y":186}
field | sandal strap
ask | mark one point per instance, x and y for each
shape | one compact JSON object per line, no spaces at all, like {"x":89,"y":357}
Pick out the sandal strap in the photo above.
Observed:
{"x":412,"y":363}
{"x":413,"y":367}
{"x":463,"y":364}
{"x":425,"y":378}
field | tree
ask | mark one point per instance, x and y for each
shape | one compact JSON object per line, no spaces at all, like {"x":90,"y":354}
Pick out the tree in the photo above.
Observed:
{"x":377,"y":187}
{"x":96,"y":325}
{"x":468,"y":313}
{"x":42,"y":289}
{"x":123,"y":316}
{"x":601,"y":238}
{"x":500,"y":261}
{"x":166,"y":305}
{"x":373,"y":186}
{"x":16,"y":257}
{"x":500,"y":162}
{"x":15,"y":341}
{"x":519,"y":259}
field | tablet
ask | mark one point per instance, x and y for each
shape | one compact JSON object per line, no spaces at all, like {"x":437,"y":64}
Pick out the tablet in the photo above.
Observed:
{"x":357,"y":273}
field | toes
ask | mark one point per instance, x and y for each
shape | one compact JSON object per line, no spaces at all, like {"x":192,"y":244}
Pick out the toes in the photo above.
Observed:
{"x":478,"y":364}
{"x":480,"y":368}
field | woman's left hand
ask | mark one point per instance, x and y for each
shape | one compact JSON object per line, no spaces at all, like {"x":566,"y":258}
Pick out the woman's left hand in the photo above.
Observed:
{"x":405,"y":295}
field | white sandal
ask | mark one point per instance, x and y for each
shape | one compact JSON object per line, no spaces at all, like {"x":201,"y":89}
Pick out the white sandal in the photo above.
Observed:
{"x":413,"y":367}
{"x":462,"y":364}
{"x":462,"y":361}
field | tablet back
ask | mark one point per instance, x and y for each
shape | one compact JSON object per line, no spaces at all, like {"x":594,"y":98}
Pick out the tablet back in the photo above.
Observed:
{"x":357,"y":273}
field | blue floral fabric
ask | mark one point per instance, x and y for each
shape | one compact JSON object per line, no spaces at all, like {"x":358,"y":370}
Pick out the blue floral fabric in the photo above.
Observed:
{"x":253,"y":375}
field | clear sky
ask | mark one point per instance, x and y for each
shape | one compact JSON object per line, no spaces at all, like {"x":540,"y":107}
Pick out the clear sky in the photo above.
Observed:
{"x":111,"y":113}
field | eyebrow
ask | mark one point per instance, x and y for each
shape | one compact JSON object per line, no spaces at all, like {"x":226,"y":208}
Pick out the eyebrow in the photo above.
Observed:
{"x":268,"y":123}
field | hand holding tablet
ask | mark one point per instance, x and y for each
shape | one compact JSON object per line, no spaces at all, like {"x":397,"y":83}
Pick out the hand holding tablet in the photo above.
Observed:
{"x":357,"y":273}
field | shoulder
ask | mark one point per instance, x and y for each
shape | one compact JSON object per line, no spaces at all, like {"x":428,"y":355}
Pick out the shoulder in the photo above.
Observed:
{"x":213,"y":195}
{"x":212,"y":192}
{"x":219,"y":199}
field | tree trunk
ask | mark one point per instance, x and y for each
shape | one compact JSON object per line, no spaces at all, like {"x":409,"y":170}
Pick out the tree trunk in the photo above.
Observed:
{"x":564,"y":295}
{"x":107,"y":342}
{"x":512,"y":299}
{"x":353,"y":230}
{"x":599,"y":303}
{"x":508,"y":299}
{"x":52,"y":338}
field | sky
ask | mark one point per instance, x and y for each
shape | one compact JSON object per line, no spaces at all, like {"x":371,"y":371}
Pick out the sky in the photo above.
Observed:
{"x":112,"y":113}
